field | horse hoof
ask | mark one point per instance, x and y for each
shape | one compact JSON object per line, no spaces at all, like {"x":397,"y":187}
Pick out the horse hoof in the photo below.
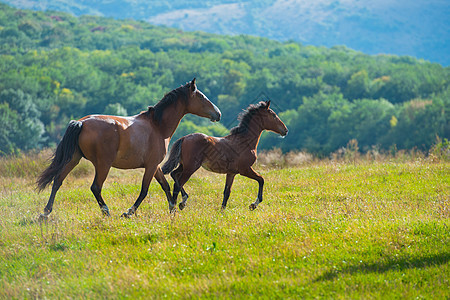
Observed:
{"x":252,"y":206}
{"x":42,"y":218}
{"x":131,"y":211}
{"x":105,"y":213}
{"x":126,"y":214}
{"x":182,"y":205}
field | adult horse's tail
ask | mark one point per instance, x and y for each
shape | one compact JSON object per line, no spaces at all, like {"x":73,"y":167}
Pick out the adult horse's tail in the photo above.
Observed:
{"x":174,"y":157}
{"x":63,"y":154}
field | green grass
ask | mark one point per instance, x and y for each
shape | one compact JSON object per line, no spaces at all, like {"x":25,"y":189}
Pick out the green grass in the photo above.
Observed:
{"x":324,"y":230}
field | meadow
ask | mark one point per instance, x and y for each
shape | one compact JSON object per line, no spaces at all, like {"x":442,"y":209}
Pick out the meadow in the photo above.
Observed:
{"x":326,"y":229}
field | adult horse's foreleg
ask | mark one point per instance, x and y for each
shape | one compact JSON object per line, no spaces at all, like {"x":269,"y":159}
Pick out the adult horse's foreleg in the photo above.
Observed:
{"x":250,"y":173}
{"x":101,"y":172}
{"x":166,"y":187}
{"x":148,"y":175}
{"x":227,"y":190}
{"x":57,"y":182}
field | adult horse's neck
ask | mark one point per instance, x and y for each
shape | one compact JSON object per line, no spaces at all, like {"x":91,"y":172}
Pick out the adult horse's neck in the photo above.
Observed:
{"x":170,"y":118}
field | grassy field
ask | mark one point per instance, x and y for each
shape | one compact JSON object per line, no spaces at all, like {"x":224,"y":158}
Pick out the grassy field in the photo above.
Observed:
{"x":324,"y":230}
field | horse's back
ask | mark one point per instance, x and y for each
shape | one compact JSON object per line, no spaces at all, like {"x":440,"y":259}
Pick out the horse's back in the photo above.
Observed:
{"x":99,"y":136}
{"x":213,"y":153}
{"x":200,"y":142}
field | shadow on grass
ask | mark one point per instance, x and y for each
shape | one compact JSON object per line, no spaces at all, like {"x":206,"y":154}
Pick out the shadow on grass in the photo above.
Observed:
{"x":391,"y":265}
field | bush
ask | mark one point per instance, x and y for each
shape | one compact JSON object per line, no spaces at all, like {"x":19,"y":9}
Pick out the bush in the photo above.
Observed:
{"x":440,"y":151}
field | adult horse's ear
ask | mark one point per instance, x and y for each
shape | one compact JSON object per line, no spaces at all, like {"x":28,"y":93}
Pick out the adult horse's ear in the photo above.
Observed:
{"x":193,"y":85}
{"x":268,"y":104}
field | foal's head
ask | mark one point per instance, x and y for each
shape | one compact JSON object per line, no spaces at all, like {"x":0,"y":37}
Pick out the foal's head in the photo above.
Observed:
{"x":269,"y":119}
{"x":198,"y":104}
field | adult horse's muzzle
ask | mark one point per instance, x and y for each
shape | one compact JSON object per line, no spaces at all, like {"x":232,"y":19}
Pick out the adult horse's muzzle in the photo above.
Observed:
{"x":215,"y":116}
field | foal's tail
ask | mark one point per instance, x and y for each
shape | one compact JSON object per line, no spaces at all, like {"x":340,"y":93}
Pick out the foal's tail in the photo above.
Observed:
{"x":63,"y":154}
{"x":174,"y":157}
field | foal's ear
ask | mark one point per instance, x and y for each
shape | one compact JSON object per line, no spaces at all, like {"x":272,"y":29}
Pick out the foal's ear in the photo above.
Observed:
{"x":267,"y":104}
{"x":193,"y":87}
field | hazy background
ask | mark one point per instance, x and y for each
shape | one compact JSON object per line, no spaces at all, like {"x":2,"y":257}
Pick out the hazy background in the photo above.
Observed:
{"x":418,"y":28}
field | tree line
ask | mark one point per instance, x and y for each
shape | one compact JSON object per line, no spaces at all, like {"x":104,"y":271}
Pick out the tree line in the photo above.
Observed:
{"x":56,"y":67}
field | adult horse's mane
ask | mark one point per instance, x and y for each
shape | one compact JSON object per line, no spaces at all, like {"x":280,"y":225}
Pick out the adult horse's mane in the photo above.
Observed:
{"x":246,"y":116}
{"x":168,"y":99}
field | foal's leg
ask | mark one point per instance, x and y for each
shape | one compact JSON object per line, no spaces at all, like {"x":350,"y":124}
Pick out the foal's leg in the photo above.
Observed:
{"x":250,"y":173}
{"x":184,"y":197}
{"x":148,"y":175}
{"x":182,"y":179}
{"x":165,"y":186}
{"x":58,"y":182}
{"x":176,"y":187}
{"x":227,"y":190}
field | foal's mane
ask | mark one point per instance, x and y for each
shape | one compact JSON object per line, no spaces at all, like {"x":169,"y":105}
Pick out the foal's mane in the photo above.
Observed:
{"x":169,"y":99}
{"x":246,"y":116}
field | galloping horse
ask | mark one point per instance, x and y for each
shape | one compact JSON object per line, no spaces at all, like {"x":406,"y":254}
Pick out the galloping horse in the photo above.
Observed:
{"x":231,"y":155}
{"x":139,"y":141}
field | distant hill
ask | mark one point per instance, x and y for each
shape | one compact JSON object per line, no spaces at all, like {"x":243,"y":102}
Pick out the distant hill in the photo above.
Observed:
{"x":419,"y":28}
{"x":56,"y":67}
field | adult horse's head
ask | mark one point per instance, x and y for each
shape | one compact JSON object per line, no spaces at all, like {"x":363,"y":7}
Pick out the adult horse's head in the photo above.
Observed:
{"x":271,"y":121}
{"x":198,"y":104}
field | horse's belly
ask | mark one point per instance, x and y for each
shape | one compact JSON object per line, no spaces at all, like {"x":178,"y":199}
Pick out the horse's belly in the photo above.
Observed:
{"x":208,"y":168}
{"x":120,"y":164}
{"x":218,"y":167}
{"x":128,"y":160}
{"x":137,"y":157}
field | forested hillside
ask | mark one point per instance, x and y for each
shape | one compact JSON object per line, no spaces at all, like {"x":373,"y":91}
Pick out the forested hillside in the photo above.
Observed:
{"x":56,"y":67}
{"x":418,"y":28}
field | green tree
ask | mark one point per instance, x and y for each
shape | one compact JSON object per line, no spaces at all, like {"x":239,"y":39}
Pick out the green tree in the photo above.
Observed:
{"x":115,"y":109}
{"x":358,"y":86}
{"x":23,"y":130}
{"x":10,"y":125}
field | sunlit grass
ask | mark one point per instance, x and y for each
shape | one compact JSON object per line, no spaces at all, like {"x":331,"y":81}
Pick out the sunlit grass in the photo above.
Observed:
{"x":333,"y":230}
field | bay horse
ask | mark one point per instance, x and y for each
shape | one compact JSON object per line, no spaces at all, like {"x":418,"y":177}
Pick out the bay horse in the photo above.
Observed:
{"x":138,"y":141}
{"x":233,"y":154}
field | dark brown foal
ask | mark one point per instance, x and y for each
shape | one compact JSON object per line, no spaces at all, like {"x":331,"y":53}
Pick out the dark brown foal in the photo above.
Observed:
{"x":233,"y":154}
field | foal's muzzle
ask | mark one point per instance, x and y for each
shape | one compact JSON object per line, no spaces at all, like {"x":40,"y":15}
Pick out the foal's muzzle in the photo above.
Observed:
{"x":284,"y":132}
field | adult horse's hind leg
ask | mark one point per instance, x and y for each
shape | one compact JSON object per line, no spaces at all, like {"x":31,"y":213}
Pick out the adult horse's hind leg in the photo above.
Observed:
{"x":58,"y":182}
{"x":165,"y":186}
{"x":227,"y":190}
{"x":250,"y":173}
{"x":148,"y":175}
{"x":101,"y":172}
